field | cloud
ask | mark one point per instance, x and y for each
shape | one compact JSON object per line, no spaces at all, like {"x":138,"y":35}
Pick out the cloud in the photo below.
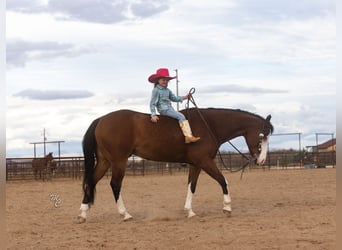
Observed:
{"x":233,"y":88}
{"x":99,"y":11}
{"x":65,"y":119}
{"x":250,"y":11}
{"x":25,"y":6}
{"x":34,"y":94}
{"x":267,"y":57}
{"x":148,"y":8}
{"x":19,"y":52}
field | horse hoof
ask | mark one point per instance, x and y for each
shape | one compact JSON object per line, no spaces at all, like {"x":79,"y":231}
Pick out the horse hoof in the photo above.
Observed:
{"x":227,"y":213}
{"x":191,"y":214}
{"x":128,"y":217}
{"x":81,"y":219}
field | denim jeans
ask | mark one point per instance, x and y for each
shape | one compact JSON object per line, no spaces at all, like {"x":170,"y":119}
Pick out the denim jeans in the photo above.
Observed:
{"x":174,"y":114}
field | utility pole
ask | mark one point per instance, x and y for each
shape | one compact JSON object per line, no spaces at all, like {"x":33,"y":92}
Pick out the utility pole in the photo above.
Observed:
{"x":177,"y":87}
{"x":44,"y":140}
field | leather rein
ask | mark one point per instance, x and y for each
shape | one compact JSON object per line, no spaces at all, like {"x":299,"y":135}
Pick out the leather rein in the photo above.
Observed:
{"x":248,"y":159}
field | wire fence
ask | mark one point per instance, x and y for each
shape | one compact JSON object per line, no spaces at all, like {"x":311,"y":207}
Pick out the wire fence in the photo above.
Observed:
{"x":73,"y":167}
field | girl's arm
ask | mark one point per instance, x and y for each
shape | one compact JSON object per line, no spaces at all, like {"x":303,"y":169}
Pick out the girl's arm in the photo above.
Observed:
{"x":154,"y":101}
{"x":175,"y":98}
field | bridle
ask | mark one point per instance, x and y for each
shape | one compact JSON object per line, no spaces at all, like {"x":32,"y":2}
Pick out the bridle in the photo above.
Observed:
{"x":249,"y":160}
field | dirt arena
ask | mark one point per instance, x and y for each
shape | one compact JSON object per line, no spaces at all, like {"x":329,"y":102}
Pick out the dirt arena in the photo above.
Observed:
{"x":277,"y":209}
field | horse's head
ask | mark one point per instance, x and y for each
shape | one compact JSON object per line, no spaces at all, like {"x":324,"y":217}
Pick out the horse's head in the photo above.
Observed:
{"x":257,"y":139}
{"x":49,"y":157}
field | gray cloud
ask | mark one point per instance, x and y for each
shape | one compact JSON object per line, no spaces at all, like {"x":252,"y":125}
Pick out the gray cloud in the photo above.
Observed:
{"x":100,"y":11}
{"x":18,"y":52}
{"x":251,"y":11}
{"x":35,"y":94}
{"x":148,"y":8}
{"x":25,"y":6}
{"x":233,"y":88}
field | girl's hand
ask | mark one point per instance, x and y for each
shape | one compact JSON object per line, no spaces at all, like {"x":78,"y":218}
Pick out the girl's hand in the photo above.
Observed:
{"x":154,"y":118}
{"x":187,"y":96}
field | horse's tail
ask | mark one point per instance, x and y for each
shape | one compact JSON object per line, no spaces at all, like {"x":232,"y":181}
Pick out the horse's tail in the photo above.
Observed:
{"x":89,"y":151}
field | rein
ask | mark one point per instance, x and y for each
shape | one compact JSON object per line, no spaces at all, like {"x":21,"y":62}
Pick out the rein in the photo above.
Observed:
{"x":249,"y":159}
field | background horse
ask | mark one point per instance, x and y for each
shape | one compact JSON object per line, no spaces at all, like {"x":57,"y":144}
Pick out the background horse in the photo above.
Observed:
{"x":42,"y":165}
{"x":111,"y":139}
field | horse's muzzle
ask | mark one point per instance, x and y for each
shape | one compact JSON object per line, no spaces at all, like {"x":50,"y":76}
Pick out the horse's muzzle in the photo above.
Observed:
{"x":260,"y":162}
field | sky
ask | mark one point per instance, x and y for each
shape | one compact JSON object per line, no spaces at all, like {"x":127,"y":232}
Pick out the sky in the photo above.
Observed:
{"x":69,"y":62}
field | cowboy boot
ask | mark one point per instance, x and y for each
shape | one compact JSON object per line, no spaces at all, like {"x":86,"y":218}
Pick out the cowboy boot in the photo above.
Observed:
{"x":187,"y":132}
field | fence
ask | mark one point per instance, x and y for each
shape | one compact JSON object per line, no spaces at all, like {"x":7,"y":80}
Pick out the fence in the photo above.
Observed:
{"x":73,"y":167}
{"x":21,"y":169}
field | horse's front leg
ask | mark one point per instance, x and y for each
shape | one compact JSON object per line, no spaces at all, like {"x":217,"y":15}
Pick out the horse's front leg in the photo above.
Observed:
{"x":211,"y":169}
{"x":227,"y":207}
{"x":192,"y":182}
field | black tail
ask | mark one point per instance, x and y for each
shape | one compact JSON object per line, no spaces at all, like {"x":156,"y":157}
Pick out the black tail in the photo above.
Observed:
{"x":89,"y":152}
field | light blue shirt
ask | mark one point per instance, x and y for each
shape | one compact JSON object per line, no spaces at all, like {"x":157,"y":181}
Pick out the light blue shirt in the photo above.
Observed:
{"x":161,"y":99}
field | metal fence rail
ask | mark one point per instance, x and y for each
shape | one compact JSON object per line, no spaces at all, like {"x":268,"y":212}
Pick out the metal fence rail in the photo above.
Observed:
{"x":73,"y":167}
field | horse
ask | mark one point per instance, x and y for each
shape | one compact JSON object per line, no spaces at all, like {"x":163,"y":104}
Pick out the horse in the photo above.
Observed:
{"x":41,"y":165}
{"x":112,"y":138}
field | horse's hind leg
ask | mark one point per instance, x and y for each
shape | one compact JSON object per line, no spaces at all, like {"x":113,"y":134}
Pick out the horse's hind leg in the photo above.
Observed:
{"x":192,"y":182}
{"x":118,"y":172}
{"x":100,"y":170}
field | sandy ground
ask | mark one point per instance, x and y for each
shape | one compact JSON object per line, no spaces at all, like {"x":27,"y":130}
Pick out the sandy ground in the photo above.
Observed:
{"x":277,"y":209}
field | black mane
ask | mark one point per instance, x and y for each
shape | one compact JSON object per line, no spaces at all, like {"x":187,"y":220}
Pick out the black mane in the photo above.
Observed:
{"x":236,"y":110}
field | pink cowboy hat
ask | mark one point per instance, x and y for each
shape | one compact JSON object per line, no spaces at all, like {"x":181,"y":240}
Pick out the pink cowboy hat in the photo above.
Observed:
{"x":161,"y":73}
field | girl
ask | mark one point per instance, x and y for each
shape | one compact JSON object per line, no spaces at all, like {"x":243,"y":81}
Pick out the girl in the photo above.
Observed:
{"x":161,"y":100}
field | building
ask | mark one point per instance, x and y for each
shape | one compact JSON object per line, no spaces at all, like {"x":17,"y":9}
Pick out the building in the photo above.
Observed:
{"x":328,"y":146}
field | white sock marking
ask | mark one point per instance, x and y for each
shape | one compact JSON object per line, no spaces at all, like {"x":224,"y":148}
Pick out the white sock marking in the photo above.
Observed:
{"x":227,"y":202}
{"x":121,"y":206}
{"x":84,"y":208}
{"x":188,"y":200}
{"x":122,"y":209}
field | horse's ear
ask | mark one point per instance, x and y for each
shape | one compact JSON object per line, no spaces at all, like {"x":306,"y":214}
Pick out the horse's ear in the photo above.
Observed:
{"x":268,"y":118}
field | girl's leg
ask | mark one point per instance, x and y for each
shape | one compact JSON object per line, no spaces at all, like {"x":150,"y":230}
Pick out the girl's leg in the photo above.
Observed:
{"x":174,"y":114}
{"x":183,"y":123}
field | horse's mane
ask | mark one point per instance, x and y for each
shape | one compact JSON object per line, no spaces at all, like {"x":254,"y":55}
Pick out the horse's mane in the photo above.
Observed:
{"x":237,"y":111}
{"x":232,"y":110}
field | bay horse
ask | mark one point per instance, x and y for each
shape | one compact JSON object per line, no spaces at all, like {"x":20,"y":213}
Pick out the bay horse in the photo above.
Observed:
{"x":41,"y":165}
{"x":112,"y":138}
